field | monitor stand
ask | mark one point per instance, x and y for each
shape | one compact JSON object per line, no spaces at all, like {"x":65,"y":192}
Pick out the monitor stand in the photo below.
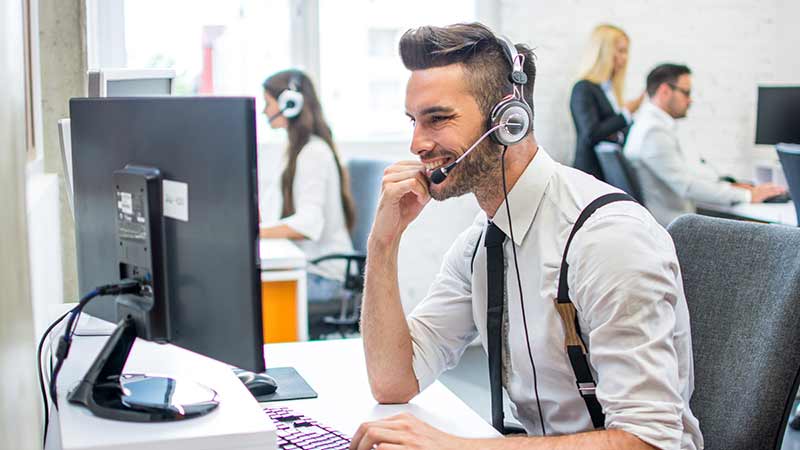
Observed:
{"x":107,"y":393}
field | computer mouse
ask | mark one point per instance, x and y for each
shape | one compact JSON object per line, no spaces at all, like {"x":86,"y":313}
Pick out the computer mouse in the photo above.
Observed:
{"x":257,"y":383}
{"x":780,"y":198}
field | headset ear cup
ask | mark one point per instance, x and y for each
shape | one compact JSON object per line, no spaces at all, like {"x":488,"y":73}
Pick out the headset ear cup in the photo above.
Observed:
{"x":514,"y":112}
{"x":290,"y":103}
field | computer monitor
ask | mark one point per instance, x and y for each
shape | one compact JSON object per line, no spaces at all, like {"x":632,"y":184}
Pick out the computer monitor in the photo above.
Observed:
{"x":203,"y":151}
{"x":778,"y":119}
{"x":130,"y":82}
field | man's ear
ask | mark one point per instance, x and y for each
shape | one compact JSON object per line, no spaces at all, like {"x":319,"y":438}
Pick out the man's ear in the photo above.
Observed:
{"x":663,"y":90}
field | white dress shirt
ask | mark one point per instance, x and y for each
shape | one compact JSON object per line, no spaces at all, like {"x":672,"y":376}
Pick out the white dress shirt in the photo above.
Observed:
{"x":669,"y":184}
{"x":626,"y":286}
{"x":318,"y":208}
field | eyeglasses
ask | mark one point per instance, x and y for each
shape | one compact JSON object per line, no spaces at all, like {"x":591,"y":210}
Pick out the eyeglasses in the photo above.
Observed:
{"x":686,"y":92}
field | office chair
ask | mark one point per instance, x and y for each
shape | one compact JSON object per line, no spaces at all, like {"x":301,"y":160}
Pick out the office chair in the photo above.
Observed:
{"x":342,"y":313}
{"x":617,"y":170}
{"x":790,"y":160}
{"x":742,"y":285}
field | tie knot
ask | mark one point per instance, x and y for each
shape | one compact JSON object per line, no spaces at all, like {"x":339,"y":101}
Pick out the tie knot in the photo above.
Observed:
{"x":494,"y":236}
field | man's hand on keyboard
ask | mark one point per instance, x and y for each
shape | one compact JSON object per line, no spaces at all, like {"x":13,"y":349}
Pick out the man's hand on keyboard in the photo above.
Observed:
{"x":404,"y":431}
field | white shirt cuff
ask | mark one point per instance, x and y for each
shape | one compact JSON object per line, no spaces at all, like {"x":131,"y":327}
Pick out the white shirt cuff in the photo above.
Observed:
{"x":742,"y":196}
{"x":627,"y":114}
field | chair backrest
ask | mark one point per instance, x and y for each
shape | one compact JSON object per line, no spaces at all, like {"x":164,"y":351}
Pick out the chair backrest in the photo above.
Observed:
{"x":617,"y":169}
{"x":366,"y":176}
{"x":742,"y":285}
{"x":790,"y":160}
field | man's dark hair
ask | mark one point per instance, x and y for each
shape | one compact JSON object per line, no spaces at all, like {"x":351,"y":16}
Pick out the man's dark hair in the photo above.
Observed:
{"x":486,"y":66}
{"x":665,"y":73}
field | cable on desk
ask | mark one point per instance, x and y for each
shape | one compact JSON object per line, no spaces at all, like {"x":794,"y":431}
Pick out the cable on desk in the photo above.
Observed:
{"x":64,"y":343}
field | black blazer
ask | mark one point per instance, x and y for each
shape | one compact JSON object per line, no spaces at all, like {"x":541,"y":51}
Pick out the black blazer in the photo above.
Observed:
{"x":595,"y":121}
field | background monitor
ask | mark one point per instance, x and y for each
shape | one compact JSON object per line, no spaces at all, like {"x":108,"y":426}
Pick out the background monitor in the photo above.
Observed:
{"x":205,"y":148}
{"x":113,"y":83}
{"x":130,"y":82}
{"x":778,"y":117}
{"x":65,"y":144}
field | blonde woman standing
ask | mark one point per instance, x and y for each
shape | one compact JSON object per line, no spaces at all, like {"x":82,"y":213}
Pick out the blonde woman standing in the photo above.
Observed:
{"x":596,"y":102}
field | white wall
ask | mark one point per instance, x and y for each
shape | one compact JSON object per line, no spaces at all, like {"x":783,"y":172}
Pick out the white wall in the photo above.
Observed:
{"x":62,"y":53}
{"x":730,"y":45}
{"x":44,"y":247}
{"x":20,"y":417}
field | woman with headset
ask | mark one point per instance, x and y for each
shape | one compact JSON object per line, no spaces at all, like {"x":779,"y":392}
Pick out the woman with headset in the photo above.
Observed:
{"x":596,"y":103}
{"x":317,"y":209}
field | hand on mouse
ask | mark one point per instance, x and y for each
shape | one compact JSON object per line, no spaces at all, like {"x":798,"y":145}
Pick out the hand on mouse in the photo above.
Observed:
{"x":762,"y":192}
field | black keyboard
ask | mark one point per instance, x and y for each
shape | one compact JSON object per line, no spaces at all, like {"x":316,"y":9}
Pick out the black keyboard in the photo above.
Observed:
{"x":298,"y":432}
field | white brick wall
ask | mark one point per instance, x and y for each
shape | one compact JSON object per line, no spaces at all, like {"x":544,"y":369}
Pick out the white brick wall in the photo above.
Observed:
{"x":730,"y":45}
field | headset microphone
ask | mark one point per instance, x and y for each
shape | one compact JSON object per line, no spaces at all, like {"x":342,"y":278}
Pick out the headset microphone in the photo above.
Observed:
{"x":280,"y":112}
{"x":513,"y":124}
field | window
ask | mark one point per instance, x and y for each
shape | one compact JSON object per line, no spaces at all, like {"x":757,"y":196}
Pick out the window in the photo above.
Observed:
{"x":361,"y":76}
{"x":228,"y":47}
{"x":215,"y":46}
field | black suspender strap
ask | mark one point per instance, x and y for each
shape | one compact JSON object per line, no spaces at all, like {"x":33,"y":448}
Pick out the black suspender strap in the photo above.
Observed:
{"x":576,"y":350}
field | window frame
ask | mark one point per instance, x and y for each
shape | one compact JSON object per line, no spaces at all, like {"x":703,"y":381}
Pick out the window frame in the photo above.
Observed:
{"x":304,"y":38}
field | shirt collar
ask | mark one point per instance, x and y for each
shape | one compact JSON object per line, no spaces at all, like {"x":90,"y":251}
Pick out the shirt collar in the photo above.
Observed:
{"x":659,"y":114}
{"x":526,"y":196}
{"x":606,"y":85}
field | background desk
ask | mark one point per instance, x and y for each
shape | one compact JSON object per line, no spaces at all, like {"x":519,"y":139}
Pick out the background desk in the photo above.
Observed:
{"x":283,"y":291}
{"x":335,"y":369}
{"x":780,"y":213}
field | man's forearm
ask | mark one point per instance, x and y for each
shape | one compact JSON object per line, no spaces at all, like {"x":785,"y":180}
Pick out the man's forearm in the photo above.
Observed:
{"x":387,"y":341}
{"x":595,"y":440}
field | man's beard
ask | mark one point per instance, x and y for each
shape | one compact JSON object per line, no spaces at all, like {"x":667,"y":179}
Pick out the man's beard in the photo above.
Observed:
{"x":480,"y":169}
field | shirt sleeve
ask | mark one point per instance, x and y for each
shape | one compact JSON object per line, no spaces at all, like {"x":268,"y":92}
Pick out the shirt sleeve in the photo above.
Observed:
{"x":442,"y":325}
{"x":661,"y":153}
{"x":310,"y":178}
{"x":627,"y":115}
{"x":624,"y":282}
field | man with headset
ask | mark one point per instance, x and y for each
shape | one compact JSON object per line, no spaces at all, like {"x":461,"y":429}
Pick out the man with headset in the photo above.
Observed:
{"x":598,"y":356}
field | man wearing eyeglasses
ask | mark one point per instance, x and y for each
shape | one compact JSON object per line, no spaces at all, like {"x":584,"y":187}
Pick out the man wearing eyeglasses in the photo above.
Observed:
{"x":670,"y":182}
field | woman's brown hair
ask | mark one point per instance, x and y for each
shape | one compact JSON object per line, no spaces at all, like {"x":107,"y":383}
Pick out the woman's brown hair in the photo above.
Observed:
{"x":309,"y":122}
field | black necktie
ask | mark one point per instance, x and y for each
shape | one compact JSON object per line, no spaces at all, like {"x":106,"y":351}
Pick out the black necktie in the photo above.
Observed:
{"x":494,"y":319}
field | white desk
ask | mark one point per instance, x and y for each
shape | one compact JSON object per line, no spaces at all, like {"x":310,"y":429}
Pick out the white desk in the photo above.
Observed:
{"x":335,"y":369}
{"x":280,"y":254}
{"x":283,"y":291}
{"x":779,"y":213}
{"x":237,"y":423}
